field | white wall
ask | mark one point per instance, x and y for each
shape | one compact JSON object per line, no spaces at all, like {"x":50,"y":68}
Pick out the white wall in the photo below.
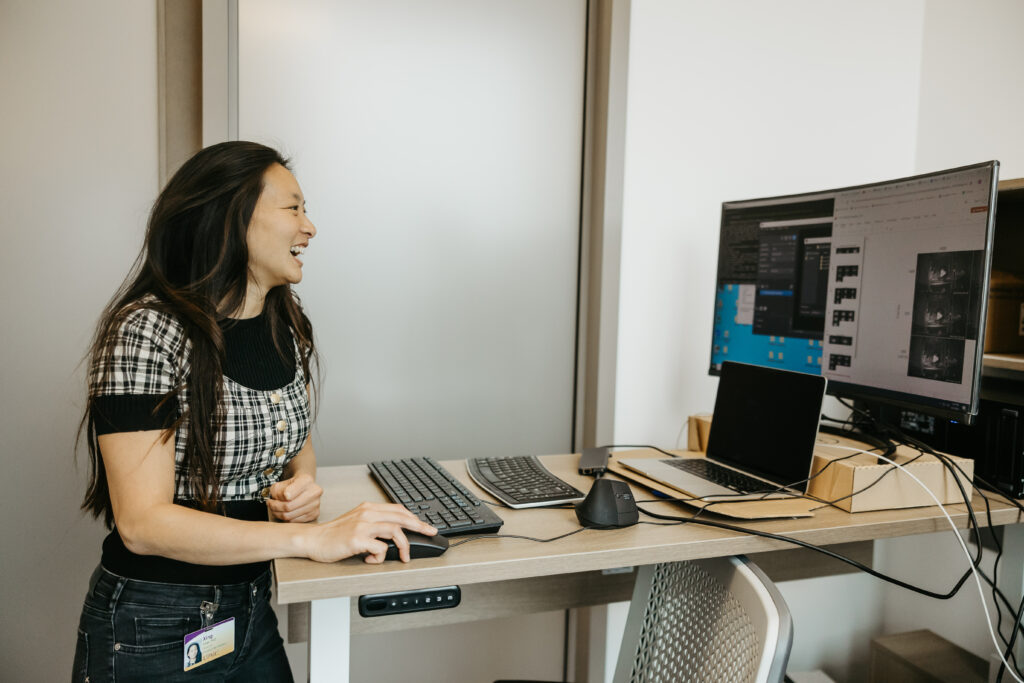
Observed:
{"x":77,"y":175}
{"x":734,"y":100}
{"x":741,"y":99}
{"x":972,"y":103}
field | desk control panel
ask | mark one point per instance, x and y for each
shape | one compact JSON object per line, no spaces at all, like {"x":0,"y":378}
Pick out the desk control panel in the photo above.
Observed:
{"x":435,"y":496}
{"x":382,"y":604}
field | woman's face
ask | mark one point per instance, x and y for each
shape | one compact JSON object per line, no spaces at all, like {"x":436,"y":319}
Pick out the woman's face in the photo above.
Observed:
{"x":193,"y":650}
{"x":279,"y":231}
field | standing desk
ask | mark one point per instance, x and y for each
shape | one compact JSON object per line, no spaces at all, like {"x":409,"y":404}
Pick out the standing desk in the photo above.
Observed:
{"x":568,"y":571}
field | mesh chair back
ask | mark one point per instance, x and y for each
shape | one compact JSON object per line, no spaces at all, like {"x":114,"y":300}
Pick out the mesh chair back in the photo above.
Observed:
{"x":720,"y":620}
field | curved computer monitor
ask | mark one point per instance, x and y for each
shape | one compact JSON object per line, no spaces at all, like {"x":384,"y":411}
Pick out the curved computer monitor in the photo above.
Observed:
{"x":881,"y":288}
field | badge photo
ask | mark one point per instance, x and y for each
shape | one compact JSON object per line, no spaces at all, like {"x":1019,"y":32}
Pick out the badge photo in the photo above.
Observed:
{"x":208,"y":644}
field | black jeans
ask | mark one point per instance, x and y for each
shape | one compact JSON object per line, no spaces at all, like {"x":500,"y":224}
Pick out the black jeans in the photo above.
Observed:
{"x":135,"y":631}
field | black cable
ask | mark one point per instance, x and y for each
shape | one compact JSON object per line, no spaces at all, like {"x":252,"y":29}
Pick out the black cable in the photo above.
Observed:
{"x":881,"y":443}
{"x":973,"y":520}
{"x":950,"y":465}
{"x":673,"y":520}
{"x":884,"y":444}
{"x":997,"y":593}
{"x":525,"y":538}
{"x":923,"y":448}
{"x":859,"y":434}
{"x":653,"y":448}
{"x":816,"y":548}
{"x":661,"y":523}
{"x":953,"y":468}
{"x":973,"y":525}
{"x":545,"y":540}
{"x":1009,"y":646}
{"x":882,"y":476}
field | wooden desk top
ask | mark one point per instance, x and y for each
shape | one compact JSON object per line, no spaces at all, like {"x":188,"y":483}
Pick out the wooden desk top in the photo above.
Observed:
{"x":484,"y":560}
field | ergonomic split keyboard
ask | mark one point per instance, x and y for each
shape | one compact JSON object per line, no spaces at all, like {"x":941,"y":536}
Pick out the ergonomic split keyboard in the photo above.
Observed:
{"x":435,"y":496}
{"x":521,"y":481}
{"x":737,"y":481}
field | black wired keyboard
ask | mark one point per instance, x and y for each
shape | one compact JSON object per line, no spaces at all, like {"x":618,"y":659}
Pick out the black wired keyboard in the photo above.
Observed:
{"x":737,"y":481}
{"x":435,"y":496}
{"x":521,"y":481}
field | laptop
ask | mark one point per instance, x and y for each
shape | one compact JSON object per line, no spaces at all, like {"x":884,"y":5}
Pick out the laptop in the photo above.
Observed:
{"x":762,"y":438}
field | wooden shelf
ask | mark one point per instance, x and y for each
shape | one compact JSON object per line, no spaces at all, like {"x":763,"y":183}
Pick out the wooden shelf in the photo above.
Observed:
{"x":1011,"y":184}
{"x":1004,"y":361}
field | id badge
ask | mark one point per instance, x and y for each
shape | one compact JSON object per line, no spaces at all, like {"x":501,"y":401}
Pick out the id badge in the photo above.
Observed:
{"x":210,"y":643}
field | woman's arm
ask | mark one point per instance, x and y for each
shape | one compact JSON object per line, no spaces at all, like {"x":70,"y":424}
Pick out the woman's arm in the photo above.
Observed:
{"x":296,"y":498}
{"x":140,"y":475}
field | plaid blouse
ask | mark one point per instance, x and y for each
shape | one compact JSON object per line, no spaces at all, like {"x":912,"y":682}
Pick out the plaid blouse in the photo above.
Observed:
{"x":261,"y":432}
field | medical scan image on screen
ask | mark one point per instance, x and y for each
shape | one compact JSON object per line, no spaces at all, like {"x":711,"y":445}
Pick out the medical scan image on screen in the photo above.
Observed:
{"x":881,"y":288}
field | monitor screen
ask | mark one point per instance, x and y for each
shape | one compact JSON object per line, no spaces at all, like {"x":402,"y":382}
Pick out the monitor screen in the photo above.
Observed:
{"x":881,"y":288}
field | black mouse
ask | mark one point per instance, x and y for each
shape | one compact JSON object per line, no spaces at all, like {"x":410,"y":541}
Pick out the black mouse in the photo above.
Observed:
{"x":419,"y":546}
{"x":608,"y":505}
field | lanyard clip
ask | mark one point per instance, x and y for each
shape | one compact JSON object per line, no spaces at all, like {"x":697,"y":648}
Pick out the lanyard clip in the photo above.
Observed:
{"x":208,"y":609}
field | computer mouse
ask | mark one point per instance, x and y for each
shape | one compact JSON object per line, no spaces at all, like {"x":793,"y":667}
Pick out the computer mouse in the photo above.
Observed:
{"x":608,"y":505}
{"x":420,"y":545}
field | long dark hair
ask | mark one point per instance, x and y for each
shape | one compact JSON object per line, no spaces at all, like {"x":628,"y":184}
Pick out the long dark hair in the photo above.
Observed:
{"x":194,"y":267}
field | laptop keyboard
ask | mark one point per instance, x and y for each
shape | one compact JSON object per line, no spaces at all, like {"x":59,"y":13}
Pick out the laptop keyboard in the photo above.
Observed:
{"x":737,"y":481}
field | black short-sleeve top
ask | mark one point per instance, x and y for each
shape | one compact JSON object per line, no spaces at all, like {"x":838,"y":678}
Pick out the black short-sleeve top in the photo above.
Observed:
{"x":266,"y":422}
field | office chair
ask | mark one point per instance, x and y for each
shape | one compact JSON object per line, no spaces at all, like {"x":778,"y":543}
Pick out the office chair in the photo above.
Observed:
{"x":719,"y":620}
{"x":709,"y":620}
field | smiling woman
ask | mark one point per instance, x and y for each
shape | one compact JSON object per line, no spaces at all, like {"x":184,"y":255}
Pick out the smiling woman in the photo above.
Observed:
{"x":197,"y":424}
{"x":278,"y":234}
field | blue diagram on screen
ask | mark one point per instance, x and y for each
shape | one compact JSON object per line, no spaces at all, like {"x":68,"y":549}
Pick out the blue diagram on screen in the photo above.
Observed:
{"x":734,"y":337}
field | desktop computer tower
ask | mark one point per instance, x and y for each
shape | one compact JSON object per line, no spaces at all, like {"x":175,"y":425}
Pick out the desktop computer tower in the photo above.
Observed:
{"x":995,"y":439}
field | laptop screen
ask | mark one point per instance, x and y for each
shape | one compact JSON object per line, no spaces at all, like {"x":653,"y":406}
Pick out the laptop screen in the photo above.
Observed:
{"x":766,"y":421}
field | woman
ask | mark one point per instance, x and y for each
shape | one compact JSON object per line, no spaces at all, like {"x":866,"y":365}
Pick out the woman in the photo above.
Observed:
{"x":193,"y":655}
{"x":197,"y":424}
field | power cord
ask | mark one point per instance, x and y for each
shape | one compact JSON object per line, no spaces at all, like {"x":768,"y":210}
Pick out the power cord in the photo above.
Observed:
{"x":881,"y":443}
{"x":997,"y":594}
{"x":525,"y":538}
{"x":973,"y":526}
{"x":972,"y":561}
{"x":889,"y":449}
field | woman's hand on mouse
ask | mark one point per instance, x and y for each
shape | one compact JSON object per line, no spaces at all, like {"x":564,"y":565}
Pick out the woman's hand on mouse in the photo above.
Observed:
{"x":364,"y":529}
{"x":296,"y":499}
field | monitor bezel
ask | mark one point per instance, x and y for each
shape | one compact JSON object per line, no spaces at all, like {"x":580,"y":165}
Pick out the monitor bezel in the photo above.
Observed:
{"x":840,"y":389}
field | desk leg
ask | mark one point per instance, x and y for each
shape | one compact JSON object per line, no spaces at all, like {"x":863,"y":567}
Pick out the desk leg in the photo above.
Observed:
{"x":329,"y":640}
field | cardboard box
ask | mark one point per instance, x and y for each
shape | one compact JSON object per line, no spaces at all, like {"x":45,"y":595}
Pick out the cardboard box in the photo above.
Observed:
{"x":698,"y":431}
{"x":848,"y":475}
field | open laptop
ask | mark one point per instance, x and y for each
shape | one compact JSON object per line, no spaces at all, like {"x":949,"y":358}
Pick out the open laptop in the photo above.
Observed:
{"x":762,"y":438}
